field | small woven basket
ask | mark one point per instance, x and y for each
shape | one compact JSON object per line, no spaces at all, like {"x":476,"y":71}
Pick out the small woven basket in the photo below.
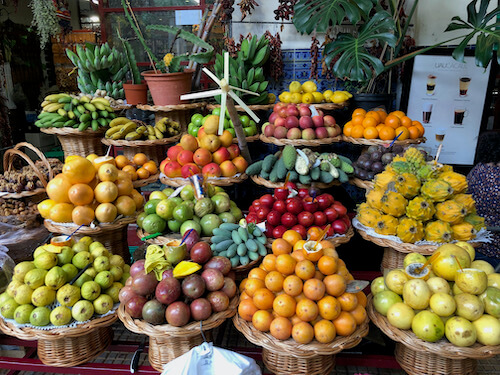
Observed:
{"x":67,"y":347}
{"x":272,"y":185}
{"x":380,"y":142}
{"x":280,"y":364}
{"x":150,"y":180}
{"x":75,"y":142}
{"x":217,"y":181}
{"x":392,"y":259}
{"x":300,"y":142}
{"x":367,"y":185}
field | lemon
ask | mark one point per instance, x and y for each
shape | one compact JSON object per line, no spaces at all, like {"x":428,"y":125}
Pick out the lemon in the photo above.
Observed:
{"x":45,"y":206}
{"x":285,"y":97}
{"x":318,"y":97}
{"x":295,"y":87}
{"x":339,"y":97}
{"x":309,"y":87}
{"x":308,"y":98}
{"x":296,"y":98}
{"x":328,"y":95}
{"x":271,"y":98}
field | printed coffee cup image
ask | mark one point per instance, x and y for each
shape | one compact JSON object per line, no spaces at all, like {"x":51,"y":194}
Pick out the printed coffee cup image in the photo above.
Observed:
{"x":460,"y":114}
{"x":426,"y":112}
{"x":464,"y":85}
{"x":431,"y":84}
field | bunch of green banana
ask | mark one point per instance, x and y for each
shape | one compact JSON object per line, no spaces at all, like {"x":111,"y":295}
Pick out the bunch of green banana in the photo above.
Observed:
{"x":246,"y":70}
{"x":63,"y":110}
{"x":123,"y":128}
{"x":99,"y":68}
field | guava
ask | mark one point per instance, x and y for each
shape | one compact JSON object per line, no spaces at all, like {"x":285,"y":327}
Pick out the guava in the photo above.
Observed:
{"x":427,"y":326}
{"x":103,"y":304}
{"x":101,"y":263}
{"x":90,"y":290}
{"x":82,"y":311}
{"x":117,"y":273}
{"x":116,"y":260}
{"x":100,"y":251}
{"x":23,"y":294}
{"x":105,"y":279}
{"x":68,"y":295}
{"x":70,"y":270}
{"x":55,"y":278}
{"x":40,"y":316}
{"x":80,"y":246}
{"x":65,"y":256}
{"x":460,"y":332}
{"x":11,"y":288}
{"x":43,"y":296}
{"x":82,"y":279}
{"x":114,"y":291}
{"x":22,"y":313}
{"x":8,"y":308}
{"x":46,"y":261}
{"x":60,"y":316}
{"x":21,"y":269}
{"x":35,"y":278}
{"x":82,"y":259}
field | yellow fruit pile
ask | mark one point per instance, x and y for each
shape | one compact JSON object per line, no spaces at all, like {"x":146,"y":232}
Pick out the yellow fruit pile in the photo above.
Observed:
{"x":87,"y":190}
{"x":139,"y":168}
{"x":307,"y":92}
{"x":301,"y":294}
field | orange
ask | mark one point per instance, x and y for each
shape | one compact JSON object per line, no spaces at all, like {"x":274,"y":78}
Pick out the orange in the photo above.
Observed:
{"x":382,"y":113}
{"x":414,"y":132}
{"x":44,"y":207}
{"x":292,"y":237}
{"x":345,"y":324}
{"x":82,"y":215}
{"x":57,"y":189}
{"x":422,"y":130}
{"x":380,"y":126}
{"x":305,"y":269}
{"x":348,"y":129}
{"x":292,"y":285}
{"x":399,"y":114}
{"x":359,"y":314}
{"x":281,"y":328}
{"x":131,"y":172}
{"x":107,"y":172}
{"x":281,"y":246}
{"x":142,"y":173}
{"x":358,"y":111}
{"x":274,"y":281}
{"x":138,"y":198}
{"x":329,"y":308}
{"x":361,"y":298}
{"x":374,"y":114}
{"x":314,"y":233}
{"x":306,"y":310}
{"x":140,"y":159}
{"x":303,"y":333}
{"x":269,"y":262}
{"x":284,"y":305}
{"x":151,"y":167}
{"x":252,"y":285}
{"x":125,"y":205}
{"x":312,"y":254}
{"x":106,"y":192}
{"x":257,"y":273}
{"x":357,"y":120}
{"x":300,"y":297}
{"x":124,"y":186}
{"x":243,"y":284}
{"x":298,"y":255}
{"x":326,"y":244}
{"x":318,"y":275}
{"x":62,"y":213}
{"x":106,"y":212}
{"x":331,"y":252}
{"x":299,"y":244}
{"x":295,"y":320}
{"x":369,"y":122}
{"x":357,"y":131}
{"x":285,"y":264}
{"x":324,"y":331}
{"x":348,"y":301}
{"x":393,"y":121}
{"x":244,"y":296}
{"x":327,"y":265}
{"x":246,"y":309}
{"x":340,"y":262}
{"x":406,"y":121}
{"x":81,"y":194}
{"x":314,"y":289}
{"x":79,"y":171}
{"x":121,"y":161}
{"x":387,"y":133}
{"x":342,"y":271}
{"x":262,"y":320}
{"x":335,"y":285}
{"x":370,"y":133}
{"x":263,"y":299}
{"x":405,"y":133}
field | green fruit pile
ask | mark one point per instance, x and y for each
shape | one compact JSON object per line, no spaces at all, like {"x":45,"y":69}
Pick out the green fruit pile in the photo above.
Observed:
{"x":183,"y":212}
{"x":198,"y":120}
{"x":241,"y":243}
{"x":40,"y":292}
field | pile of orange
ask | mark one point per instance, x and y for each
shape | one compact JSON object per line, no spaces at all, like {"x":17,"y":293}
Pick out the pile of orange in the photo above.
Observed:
{"x":139,"y":168}
{"x":300,"y":294}
{"x":90,"y":189}
{"x":377,"y":124}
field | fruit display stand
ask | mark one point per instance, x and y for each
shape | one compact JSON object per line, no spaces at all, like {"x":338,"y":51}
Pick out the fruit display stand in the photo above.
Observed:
{"x":363,"y":184}
{"x":217,"y":181}
{"x":418,"y":357}
{"x":379,"y":142}
{"x":75,"y":142}
{"x":300,"y":142}
{"x":167,"y":342}
{"x":289,"y":357}
{"x":272,"y":185}
{"x":67,"y":347}
{"x":180,"y":113}
{"x":163,"y":239}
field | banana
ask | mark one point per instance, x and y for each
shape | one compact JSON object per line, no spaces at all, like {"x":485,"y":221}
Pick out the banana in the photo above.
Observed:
{"x":62,"y":112}
{"x":252,"y":47}
{"x":158,"y":134}
{"x":85,"y":99}
{"x":75,"y":102}
{"x":245,"y":48}
{"x":95,"y":125}
{"x":140,"y":129}
{"x":109,"y":109}
{"x":65,"y":99}
{"x":161,"y":126}
{"x":128,"y":128}
{"x":151,"y":131}
{"x":70,"y":123}
{"x":261,"y":56}
{"x":102,"y":122}
{"x":55,"y":97}
{"x":71,"y":115}
{"x":119,"y":121}
{"x":90,"y":107}
{"x":104,"y":114}
{"x":151,"y":137}
{"x":45,"y":103}
{"x":77,"y":113}
{"x":94,"y":115}
{"x":53,"y":107}
{"x":83,"y":126}
{"x":85,"y":117}
{"x":132,"y":136}
{"x":100,"y":100}
{"x":81,"y":108}
{"x":117,"y":136}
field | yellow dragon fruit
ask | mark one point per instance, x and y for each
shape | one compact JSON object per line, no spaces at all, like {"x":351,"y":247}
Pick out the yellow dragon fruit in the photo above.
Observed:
{"x":368,"y":216}
{"x":450,"y":211}
{"x":394,"y":204}
{"x":408,"y":185}
{"x":476,"y":221}
{"x":374,"y":197}
{"x":438,"y":231}
{"x":386,"y":225}
{"x":456,"y":180}
{"x":420,"y":209}
{"x":467,"y":201}
{"x":382,"y":180}
{"x":410,"y":230}
{"x":463,"y":231}
{"x":437,"y":190}
{"x":415,"y":157}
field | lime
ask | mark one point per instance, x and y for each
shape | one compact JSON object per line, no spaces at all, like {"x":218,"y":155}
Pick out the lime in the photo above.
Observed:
{"x":204,"y":119}
{"x":177,"y":200}
{"x":196,"y":119}
{"x":150,"y":206}
{"x":245,"y":120}
{"x":153,"y":224}
{"x":187,"y":193}
{"x":227,"y":124}
{"x":140,"y":218}
{"x":182,"y":213}
{"x":168,"y":192}
{"x":174,"y":225}
{"x":295,"y":87}
{"x":193,"y":131}
{"x":216,"y":111}
{"x":248,"y":131}
{"x":165,"y":209}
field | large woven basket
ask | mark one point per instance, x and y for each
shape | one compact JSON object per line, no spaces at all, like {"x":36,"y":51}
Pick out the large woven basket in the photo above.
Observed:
{"x":144,"y":182}
{"x":217,"y":181}
{"x":75,"y":142}
{"x":167,"y":342}
{"x":392,"y":259}
{"x":113,"y":236}
{"x":154,"y":149}
{"x":379,"y":142}
{"x":272,"y":185}
{"x":300,"y":142}
{"x":67,"y":347}
{"x":367,"y":185}
{"x":289,"y":357}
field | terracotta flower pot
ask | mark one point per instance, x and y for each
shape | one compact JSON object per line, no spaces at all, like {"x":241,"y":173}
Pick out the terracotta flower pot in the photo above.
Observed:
{"x":136,"y":93}
{"x":166,"y":88}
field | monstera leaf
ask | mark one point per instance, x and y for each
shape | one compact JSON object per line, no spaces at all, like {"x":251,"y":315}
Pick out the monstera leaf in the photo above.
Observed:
{"x":355,"y":62}
{"x":477,"y":23}
{"x":310,"y":15}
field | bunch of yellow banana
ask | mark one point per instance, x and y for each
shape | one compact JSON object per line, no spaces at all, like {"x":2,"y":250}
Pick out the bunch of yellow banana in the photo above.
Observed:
{"x":123,"y":128}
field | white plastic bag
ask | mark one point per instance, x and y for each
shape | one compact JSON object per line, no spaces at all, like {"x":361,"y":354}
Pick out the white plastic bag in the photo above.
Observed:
{"x":207,"y":359}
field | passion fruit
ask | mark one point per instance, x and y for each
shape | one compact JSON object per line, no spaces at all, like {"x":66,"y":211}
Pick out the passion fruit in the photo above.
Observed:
{"x":417,"y":271}
{"x":413,"y":258}
{"x":471,"y":280}
{"x":460,"y":332}
{"x":417,"y":294}
{"x":427,"y":326}
{"x":395,"y":280}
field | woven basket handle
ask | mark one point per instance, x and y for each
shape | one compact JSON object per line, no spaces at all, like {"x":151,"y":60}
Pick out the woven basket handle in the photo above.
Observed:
{"x":40,"y":155}
{"x":9,"y":157}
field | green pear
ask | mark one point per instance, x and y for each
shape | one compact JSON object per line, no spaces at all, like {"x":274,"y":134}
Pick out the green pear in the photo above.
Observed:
{"x":82,"y":311}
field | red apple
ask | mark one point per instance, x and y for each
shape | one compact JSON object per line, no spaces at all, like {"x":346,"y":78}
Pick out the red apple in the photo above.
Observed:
{"x":321,"y":133}
{"x":280,"y":121}
{"x":306,"y":122}
{"x":318,"y":121}
{"x":273,"y":117}
{"x":291,"y":110}
{"x":281,"y":193}
{"x":329,"y":120}
{"x":269,"y":130}
{"x":221,"y":155}
{"x":291,"y":122}
{"x":279,"y":206}
{"x":280,"y":132}
{"x":339,"y":226}
{"x":306,"y":219}
{"x":256,"y":204}
{"x":234,"y":151}
{"x":252,"y":218}
{"x":278,"y":106}
{"x":294,"y":133}
{"x":324,"y":201}
{"x":294,"y":206}
{"x":189,"y":170}
{"x":339,"y":207}
{"x":262,"y":212}
{"x":304,"y":111}
{"x":300,"y":229}
{"x":252,"y":209}
{"x":267,"y":200}
{"x":332,"y":131}
{"x":308,"y":134}
{"x":274,"y":218}
{"x":282,"y":113}
{"x":331,"y":214}
{"x":320,"y":218}
{"x":288,"y":219}
{"x":211,"y":170}
{"x":278,"y":231}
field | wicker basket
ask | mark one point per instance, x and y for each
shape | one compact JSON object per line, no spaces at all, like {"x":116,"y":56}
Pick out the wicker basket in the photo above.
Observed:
{"x":113,"y":236}
{"x":217,"y":181}
{"x":255,"y":107}
{"x":67,"y":347}
{"x":163,"y":240}
{"x":272,"y":185}
{"x":154,"y":149}
{"x":75,"y":142}
{"x":367,"y":185}
{"x":379,"y":142}
{"x":150,"y":180}
{"x":290,"y":357}
{"x":167,"y":342}
{"x":300,"y":142}
{"x":14,"y":152}
{"x":252,"y":138}
{"x":392,"y":259}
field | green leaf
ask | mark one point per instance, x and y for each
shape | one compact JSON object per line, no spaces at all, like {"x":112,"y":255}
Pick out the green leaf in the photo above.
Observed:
{"x":310,"y":15}
{"x":484,"y":50}
{"x":355,"y":62}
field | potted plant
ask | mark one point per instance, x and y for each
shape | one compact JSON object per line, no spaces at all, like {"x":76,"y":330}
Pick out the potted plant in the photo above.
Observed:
{"x":136,"y":92}
{"x":169,"y":80}
{"x":353,"y":57}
